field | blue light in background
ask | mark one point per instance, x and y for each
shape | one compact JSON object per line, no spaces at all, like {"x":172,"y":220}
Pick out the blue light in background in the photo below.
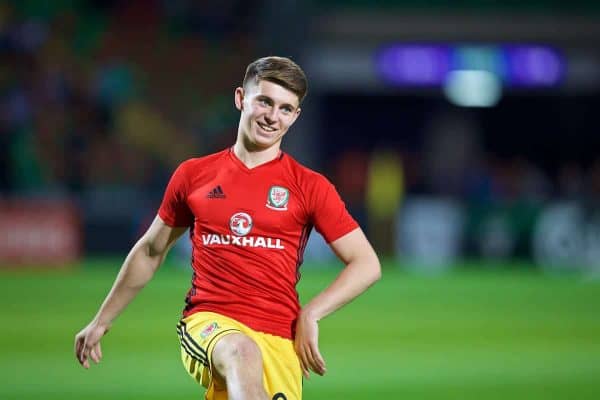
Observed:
{"x":534,"y":65}
{"x":420,"y":65}
{"x":480,"y":58}
{"x":430,"y":64}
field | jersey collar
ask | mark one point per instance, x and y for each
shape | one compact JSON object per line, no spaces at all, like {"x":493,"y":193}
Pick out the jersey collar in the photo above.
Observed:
{"x":243,"y":166}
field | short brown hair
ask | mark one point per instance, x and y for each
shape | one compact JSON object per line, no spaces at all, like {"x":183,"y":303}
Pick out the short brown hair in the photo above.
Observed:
{"x":279,"y":70}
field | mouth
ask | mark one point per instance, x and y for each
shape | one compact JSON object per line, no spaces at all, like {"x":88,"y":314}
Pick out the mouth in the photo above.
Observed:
{"x":266,"y":128}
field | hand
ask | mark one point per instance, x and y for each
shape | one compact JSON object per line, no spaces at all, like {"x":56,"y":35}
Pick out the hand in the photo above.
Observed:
{"x":306,"y":345}
{"x":87,"y":344}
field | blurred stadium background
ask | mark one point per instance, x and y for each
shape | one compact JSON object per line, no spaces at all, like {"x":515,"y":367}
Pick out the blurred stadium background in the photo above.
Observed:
{"x":463,"y":135}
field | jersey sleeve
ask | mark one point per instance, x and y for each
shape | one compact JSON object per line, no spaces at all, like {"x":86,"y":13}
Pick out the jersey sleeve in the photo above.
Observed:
{"x":174,"y":210}
{"x":329,"y":214}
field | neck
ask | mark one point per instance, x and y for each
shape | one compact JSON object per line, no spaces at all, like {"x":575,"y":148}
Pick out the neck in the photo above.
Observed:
{"x":252,"y":157}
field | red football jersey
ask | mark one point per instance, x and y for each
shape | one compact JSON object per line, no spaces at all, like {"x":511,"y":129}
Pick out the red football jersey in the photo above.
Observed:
{"x":249,"y":228}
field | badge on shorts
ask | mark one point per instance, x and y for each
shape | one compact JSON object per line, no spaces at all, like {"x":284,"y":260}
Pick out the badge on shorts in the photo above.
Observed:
{"x":278,"y":198}
{"x":209,"y":330}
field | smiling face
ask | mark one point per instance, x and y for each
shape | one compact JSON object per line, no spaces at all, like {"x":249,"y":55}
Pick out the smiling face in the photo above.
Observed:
{"x":268,"y":110}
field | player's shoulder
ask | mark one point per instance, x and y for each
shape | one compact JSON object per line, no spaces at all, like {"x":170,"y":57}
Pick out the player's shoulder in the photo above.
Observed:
{"x":196,"y":162}
{"x":303,"y":174}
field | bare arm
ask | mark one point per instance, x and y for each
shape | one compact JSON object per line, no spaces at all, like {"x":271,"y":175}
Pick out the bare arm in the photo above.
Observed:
{"x":361,"y":271}
{"x":138,"y":268}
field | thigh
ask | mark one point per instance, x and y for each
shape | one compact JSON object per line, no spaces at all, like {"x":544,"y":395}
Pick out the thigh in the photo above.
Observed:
{"x":198,"y":335}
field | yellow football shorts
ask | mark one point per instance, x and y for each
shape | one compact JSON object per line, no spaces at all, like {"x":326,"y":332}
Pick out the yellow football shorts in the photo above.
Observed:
{"x":198,"y":335}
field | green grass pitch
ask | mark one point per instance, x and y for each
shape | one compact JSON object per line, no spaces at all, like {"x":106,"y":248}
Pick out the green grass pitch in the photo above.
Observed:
{"x":474,"y":334}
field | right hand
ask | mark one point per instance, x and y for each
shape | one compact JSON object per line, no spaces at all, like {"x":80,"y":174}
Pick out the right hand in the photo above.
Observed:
{"x":87,"y":343}
{"x":306,"y":344}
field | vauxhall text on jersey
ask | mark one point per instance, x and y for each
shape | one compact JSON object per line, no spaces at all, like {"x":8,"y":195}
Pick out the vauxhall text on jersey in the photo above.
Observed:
{"x":210,"y":239}
{"x":249,"y":228}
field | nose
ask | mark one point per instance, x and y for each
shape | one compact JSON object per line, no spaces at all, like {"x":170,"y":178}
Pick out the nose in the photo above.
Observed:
{"x":271,"y":115}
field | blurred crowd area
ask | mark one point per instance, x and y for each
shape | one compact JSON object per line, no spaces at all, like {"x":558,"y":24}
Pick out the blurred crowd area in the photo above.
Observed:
{"x":488,"y":207}
{"x":101,"y":100}
{"x":115,"y":93}
{"x":452,"y":162}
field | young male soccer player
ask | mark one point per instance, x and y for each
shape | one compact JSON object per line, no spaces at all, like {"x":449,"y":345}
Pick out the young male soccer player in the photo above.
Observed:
{"x":249,"y":210}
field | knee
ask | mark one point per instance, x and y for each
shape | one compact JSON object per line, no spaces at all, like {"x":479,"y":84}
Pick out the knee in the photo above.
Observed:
{"x":237,"y":349}
{"x":243,"y":348}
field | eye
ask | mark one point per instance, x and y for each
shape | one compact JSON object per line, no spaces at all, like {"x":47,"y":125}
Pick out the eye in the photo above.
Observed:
{"x":287,"y":110}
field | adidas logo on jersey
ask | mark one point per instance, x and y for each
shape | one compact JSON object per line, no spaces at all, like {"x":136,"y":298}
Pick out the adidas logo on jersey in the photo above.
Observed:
{"x":216,"y":193}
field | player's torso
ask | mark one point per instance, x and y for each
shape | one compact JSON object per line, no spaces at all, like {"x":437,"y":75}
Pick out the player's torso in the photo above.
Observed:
{"x":259,"y":210}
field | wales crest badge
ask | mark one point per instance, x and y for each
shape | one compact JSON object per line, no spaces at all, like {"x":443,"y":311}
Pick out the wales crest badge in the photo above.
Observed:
{"x":278,"y":198}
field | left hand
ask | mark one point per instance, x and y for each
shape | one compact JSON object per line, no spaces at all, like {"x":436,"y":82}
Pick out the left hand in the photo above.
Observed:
{"x":87,"y":343}
{"x":306,"y":345}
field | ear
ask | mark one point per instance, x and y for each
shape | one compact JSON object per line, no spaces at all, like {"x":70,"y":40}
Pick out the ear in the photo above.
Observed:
{"x":239,"y":98}
{"x":296,"y":115}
